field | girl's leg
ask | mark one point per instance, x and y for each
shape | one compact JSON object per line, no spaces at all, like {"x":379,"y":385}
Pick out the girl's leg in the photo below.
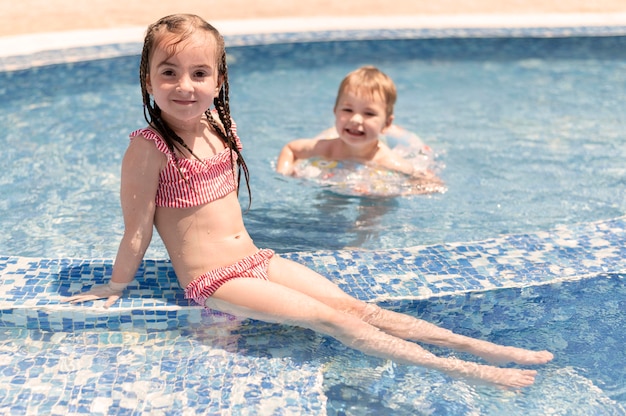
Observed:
{"x":272,"y":302}
{"x":415,"y":329}
{"x":305,"y":280}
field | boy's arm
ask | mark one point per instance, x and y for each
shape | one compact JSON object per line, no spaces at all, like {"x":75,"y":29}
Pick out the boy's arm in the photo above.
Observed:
{"x":295,"y":150}
{"x":391,"y":161}
{"x":422,"y":181}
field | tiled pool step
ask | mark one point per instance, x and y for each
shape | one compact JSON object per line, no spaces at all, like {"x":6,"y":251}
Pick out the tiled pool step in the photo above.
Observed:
{"x":31,"y":289}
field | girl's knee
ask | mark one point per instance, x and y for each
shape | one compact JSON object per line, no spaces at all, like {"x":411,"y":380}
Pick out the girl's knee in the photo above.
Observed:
{"x":365,"y":311}
{"x":371,"y":312}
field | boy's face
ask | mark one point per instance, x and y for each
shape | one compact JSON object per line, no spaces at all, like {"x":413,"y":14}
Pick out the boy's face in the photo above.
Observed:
{"x":361,"y":118}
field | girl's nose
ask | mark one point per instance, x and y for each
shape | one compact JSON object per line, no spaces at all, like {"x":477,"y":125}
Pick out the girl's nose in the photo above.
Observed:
{"x":184,"y":84}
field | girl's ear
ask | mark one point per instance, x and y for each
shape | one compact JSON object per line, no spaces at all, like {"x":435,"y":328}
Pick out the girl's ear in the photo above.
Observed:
{"x":220,"y":82}
{"x":148,"y":84}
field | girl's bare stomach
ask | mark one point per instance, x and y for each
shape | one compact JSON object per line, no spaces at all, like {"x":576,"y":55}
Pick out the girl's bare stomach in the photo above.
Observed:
{"x":201,"y":239}
{"x":193,"y":261}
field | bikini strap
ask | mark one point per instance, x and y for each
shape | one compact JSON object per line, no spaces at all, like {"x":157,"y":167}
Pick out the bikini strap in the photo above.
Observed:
{"x":156,"y":138}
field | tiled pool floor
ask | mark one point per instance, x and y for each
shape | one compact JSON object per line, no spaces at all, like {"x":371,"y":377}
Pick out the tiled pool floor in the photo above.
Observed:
{"x":56,"y":358}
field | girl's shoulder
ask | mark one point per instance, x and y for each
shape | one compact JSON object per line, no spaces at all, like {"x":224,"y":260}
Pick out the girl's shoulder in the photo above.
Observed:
{"x":152,"y":136}
{"x":233,"y":128}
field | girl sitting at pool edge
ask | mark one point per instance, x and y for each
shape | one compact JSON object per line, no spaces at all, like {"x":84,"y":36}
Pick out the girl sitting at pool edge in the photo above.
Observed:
{"x":363,"y":112}
{"x":180,"y":174}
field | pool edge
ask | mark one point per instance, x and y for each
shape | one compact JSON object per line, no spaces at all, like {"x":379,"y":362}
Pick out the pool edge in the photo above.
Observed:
{"x":38,"y":49}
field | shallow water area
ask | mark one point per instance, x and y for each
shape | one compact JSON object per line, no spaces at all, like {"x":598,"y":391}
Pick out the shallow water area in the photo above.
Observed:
{"x":212,"y":363}
{"x":510,"y":119}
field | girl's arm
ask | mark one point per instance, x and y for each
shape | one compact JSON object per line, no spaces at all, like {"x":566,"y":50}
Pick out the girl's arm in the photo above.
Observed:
{"x":140,"y":178}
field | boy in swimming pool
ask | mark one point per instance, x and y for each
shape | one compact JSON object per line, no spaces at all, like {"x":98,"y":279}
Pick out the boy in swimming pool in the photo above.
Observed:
{"x":180,"y":174}
{"x":363,"y":112}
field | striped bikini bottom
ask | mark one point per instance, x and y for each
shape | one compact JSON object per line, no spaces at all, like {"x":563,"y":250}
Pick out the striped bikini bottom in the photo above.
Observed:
{"x":254,"y":266}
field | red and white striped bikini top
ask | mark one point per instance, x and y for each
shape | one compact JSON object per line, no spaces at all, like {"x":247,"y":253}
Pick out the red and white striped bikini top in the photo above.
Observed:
{"x":203,"y":181}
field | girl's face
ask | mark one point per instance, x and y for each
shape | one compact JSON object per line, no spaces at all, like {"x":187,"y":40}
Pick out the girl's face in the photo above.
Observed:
{"x":184,"y":84}
{"x":360,"y":119}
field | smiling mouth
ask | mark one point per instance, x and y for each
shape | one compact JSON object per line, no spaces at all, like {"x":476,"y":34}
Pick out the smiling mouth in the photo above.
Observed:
{"x":354,"y":132}
{"x":184,"y":102}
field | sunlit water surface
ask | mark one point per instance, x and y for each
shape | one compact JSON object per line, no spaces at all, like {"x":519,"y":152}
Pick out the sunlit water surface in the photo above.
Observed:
{"x":529,"y":134}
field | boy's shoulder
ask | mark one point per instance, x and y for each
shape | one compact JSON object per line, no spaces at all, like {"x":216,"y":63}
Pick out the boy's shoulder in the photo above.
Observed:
{"x":327,"y":147}
{"x":383,"y":152}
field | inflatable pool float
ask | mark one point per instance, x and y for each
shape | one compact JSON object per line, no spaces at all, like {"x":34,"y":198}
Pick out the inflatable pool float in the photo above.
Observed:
{"x":356,"y":179}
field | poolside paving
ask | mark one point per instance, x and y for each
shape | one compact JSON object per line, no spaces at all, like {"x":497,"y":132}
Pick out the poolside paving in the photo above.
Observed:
{"x":37,"y":16}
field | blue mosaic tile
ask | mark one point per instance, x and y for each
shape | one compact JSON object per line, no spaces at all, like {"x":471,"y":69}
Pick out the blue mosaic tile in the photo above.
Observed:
{"x":31,"y":289}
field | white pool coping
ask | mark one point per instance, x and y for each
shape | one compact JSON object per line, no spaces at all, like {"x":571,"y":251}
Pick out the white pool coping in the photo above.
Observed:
{"x":38,"y":42}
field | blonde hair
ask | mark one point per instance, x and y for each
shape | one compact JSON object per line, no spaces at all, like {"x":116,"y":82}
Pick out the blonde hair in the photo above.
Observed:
{"x":371,"y":81}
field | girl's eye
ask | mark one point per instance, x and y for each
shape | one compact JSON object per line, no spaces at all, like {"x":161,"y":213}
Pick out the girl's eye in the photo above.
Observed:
{"x":200,"y":74}
{"x":168,"y":72}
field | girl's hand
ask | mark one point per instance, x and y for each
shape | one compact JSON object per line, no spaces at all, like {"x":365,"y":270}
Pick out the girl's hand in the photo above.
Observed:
{"x":112,"y":291}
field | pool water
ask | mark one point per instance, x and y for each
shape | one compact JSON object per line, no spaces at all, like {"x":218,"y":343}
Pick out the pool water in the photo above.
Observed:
{"x":572,"y":318}
{"x":526,"y":247}
{"x":529,"y":135}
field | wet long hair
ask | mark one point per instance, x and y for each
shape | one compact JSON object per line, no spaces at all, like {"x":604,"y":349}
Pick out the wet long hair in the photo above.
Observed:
{"x":180,"y":27}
